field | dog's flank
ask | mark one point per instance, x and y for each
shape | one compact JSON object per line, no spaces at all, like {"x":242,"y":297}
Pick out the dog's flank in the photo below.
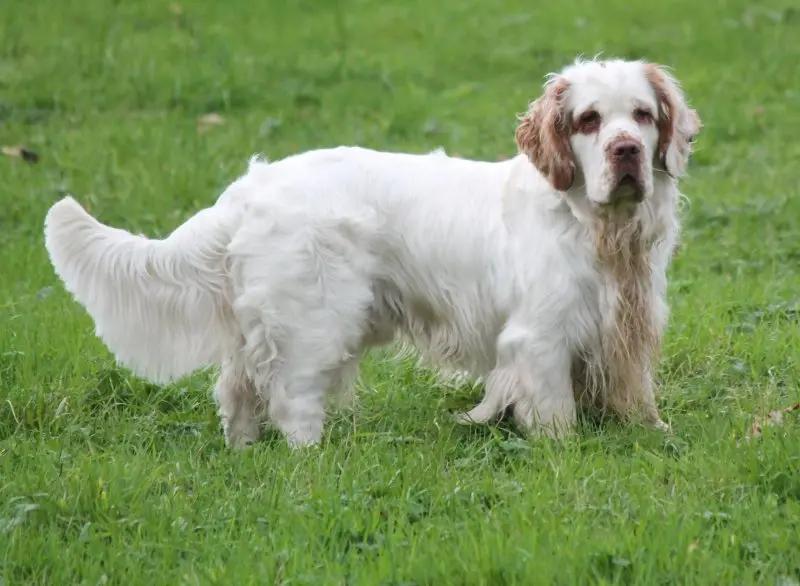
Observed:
{"x":543,"y":275}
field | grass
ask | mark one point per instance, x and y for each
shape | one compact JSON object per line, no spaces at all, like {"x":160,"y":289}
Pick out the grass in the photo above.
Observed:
{"x":105,"y":479}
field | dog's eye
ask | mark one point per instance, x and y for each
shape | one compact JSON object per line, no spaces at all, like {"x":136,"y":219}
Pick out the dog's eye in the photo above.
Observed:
{"x":589,"y":121}
{"x":642,"y":116}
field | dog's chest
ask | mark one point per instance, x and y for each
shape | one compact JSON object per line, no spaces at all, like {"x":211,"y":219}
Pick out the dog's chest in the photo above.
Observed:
{"x":591,"y":302}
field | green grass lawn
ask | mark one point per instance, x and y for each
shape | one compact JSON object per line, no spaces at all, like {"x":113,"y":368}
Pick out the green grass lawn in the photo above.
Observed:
{"x":107,"y":479}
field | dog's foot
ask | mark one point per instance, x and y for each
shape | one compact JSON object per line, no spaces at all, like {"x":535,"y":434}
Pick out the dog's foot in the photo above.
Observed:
{"x":241,"y":436}
{"x":482,"y":413}
{"x":555,"y":430}
{"x":660,"y":425}
{"x":552,"y":419}
{"x":241,"y":444}
{"x":653,"y":420}
{"x":463,"y":418}
{"x":299,"y":442}
{"x":302,"y":432}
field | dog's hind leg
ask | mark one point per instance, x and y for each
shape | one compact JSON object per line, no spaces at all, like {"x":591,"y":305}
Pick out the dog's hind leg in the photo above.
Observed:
{"x":316,"y":361}
{"x":297,"y":403}
{"x":237,"y":403}
{"x":304,"y":312}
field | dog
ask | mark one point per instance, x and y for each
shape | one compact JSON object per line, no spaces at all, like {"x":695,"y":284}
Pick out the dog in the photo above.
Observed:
{"x":545,"y":273}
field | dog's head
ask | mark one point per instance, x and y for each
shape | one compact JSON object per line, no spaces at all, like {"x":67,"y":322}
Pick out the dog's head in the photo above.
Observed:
{"x":609,"y":124}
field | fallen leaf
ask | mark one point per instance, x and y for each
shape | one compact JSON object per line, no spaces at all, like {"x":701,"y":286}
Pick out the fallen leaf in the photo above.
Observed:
{"x":205,"y":122}
{"x":22,"y":152}
{"x":774,"y":418}
{"x":212,"y":118}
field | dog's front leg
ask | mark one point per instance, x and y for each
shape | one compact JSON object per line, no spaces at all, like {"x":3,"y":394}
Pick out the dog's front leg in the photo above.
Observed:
{"x":649,"y":407}
{"x":532,"y":375}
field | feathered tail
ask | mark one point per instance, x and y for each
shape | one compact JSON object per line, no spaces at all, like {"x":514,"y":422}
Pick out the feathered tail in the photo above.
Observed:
{"x":159,"y":305}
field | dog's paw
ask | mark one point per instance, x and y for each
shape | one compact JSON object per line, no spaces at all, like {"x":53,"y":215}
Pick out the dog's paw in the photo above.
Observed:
{"x":463,"y":418}
{"x":242,"y":436}
{"x":302,"y":443}
{"x":241,"y":444}
{"x":660,"y":425}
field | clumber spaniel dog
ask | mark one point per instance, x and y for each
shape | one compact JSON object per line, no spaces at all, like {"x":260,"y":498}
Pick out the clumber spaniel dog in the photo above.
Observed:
{"x":545,"y":273}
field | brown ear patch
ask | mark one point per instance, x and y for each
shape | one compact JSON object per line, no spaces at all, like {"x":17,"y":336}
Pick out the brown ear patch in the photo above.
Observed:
{"x":543,"y":134}
{"x":677,"y":123}
{"x":666,"y":124}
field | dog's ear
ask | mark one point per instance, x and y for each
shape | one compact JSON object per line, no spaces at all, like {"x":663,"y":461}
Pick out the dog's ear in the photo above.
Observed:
{"x":678,"y":124}
{"x":543,"y":134}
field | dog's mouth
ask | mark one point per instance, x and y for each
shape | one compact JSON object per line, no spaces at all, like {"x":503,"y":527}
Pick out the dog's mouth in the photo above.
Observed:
{"x":628,"y":188}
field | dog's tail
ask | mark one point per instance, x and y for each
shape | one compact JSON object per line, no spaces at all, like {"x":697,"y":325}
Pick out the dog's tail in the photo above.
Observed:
{"x":159,"y":305}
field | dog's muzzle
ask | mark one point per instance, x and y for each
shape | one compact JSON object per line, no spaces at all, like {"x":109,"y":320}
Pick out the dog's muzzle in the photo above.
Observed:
{"x":626,"y":164}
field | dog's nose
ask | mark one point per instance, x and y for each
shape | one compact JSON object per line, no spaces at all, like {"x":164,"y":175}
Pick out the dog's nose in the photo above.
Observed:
{"x":626,"y":149}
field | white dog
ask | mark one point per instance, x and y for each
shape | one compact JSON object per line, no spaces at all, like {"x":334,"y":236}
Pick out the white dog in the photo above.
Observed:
{"x":545,"y":273}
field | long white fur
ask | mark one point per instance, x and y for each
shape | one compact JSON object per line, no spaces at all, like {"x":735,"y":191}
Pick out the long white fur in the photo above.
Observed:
{"x":304,"y":263}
